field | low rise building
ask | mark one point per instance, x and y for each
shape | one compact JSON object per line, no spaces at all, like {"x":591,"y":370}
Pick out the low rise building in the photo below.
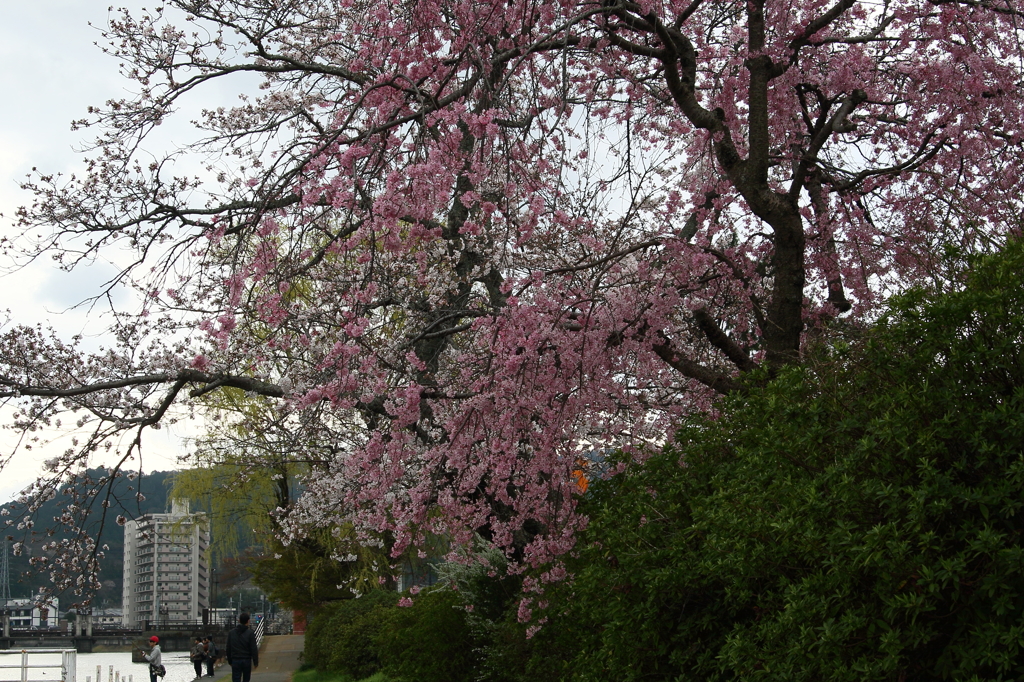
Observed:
{"x":106,"y":618}
{"x":39,"y":613}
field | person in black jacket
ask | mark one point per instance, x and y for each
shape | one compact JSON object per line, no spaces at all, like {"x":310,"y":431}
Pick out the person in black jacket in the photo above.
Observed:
{"x":212,"y":654}
{"x":241,"y":650}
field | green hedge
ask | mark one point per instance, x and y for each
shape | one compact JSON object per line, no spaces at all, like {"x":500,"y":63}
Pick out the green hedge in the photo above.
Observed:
{"x":341,"y":636}
{"x":426,"y":642}
{"x":429,"y":641}
{"x":856,"y":519}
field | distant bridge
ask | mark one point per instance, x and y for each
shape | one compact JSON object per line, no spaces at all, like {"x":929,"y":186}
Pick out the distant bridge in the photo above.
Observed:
{"x":81,"y":639}
{"x":174,"y":636}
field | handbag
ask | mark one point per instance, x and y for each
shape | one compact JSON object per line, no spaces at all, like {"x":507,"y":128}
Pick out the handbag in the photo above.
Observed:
{"x":157,"y":670}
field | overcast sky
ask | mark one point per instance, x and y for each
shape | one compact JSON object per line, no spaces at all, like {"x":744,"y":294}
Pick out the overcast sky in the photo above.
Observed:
{"x":52,"y":71}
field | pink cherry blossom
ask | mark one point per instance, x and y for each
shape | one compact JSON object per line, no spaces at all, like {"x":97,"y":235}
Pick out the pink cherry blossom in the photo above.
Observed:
{"x":469,"y":249}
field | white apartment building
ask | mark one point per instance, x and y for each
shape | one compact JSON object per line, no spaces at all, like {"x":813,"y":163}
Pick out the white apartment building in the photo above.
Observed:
{"x":166,"y":576}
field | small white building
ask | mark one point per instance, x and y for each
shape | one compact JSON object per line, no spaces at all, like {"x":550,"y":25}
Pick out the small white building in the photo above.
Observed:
{"x":106,"y":618}
{"x":39,"y":613}
{"x":224,"y":616}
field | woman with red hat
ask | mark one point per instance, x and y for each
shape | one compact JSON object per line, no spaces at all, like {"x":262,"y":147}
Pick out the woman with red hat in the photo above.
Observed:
{"x":156,"y":668}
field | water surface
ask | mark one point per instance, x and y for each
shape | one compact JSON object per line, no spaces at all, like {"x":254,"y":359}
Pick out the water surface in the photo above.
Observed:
{"x":179,"y":668}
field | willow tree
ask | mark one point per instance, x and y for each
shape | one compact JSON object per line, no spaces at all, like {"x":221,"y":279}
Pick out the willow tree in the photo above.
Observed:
{"x":246,"y":476}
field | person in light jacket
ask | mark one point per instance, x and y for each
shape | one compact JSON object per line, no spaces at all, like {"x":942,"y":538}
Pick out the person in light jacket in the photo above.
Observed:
{"x":197,"y":654}
{"x":241,"y":650}
{"x":154,"y":657}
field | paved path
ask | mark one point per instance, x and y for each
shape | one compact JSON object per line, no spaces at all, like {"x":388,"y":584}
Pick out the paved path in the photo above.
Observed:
{"x":279,"y":658}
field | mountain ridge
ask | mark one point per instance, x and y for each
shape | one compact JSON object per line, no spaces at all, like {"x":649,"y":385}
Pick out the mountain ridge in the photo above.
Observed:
{"x":26,"y":581}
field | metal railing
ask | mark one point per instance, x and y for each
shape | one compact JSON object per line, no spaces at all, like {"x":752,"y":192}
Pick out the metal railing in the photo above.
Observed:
{"x":68,"y":661}
{"x":260,"y":628}
{"x":183,"y":625}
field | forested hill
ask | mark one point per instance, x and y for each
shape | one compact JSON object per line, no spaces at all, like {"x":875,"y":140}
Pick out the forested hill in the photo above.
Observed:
{"x":154,"y":487}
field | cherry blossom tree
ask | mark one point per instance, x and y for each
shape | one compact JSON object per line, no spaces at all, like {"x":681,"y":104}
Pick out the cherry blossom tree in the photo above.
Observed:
{"x":466,"y":245}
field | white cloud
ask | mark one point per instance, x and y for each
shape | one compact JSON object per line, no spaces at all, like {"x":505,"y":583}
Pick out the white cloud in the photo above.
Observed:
{"x":161,"y":450}
{"x":52,"y":73}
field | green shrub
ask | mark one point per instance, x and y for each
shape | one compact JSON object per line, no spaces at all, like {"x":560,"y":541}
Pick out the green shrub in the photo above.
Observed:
{"x":856,"y":519}
{"x":492,"y":596}
{"x":340,"y":637}
{"x":429,"y":641}
{"x":509,"y":654}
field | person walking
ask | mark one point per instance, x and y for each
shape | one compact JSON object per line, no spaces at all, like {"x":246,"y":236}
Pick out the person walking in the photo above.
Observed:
{"x":197,"y":654}
{"x":212,"y":654}
{"x":156,"y":667}
{"x":241,"y":650}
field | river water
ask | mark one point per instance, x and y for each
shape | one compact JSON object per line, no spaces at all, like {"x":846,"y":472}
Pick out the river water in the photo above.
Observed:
{"x":179,"y":668}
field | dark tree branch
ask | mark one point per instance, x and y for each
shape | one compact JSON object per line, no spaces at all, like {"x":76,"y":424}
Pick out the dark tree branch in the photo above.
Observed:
{"x":182,"y":377}
{"x":717,"y":381}
{"x":720,"y":340}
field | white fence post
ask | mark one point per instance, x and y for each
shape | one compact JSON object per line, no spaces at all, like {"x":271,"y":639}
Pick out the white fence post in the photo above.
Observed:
{"x":67,"y":669}
{"x":69,"y":666}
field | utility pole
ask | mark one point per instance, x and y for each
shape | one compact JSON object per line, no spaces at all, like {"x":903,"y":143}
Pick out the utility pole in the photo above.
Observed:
{"x":5,"y":579}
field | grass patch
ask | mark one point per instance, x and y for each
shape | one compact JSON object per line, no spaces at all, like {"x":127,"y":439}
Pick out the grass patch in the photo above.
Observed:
{"x":313,"y":675}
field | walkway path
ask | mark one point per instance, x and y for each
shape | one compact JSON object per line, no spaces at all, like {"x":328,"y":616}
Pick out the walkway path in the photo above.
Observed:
{"x":279,"y":658}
